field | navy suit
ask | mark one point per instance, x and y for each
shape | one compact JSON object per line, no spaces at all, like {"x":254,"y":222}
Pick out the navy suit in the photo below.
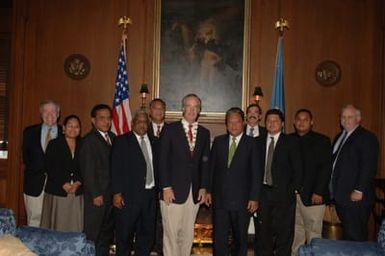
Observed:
{"x":232,"y":188}
{"x":34,"y":160}
{"x":186,"y":172}
{"x":128,"y":167}
{"x":180,"y":169}
{"x":355,"y":169}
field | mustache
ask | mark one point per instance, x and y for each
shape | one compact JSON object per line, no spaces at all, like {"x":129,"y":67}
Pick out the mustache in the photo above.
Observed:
{"x":251,"y":117}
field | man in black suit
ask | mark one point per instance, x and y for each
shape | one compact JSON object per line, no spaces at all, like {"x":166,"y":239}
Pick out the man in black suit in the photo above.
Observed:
{"x":253,"y":129}
{"x":253,"y":117}
{"x":95,"y":169}
{"x":236,"y":180}
{"x":35,"y":141}
{"x":317,"y":166}
{"x":355,"y":157}
{"x":282,"y":167}
{"x":157,"y":116}
{"x":133,"y":185}
{"x":183,"y":176}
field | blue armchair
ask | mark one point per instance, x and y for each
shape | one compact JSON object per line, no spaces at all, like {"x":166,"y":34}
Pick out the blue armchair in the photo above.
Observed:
{"x":46,"y":242}
{"x":349,"y":248}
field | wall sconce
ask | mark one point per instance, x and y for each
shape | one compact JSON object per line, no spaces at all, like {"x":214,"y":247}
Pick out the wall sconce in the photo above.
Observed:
{"x":258,"y":94}
{"x":143,"y":94}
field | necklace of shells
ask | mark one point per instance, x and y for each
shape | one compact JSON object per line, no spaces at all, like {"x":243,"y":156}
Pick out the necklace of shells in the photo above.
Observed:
{"x":194,"y":137}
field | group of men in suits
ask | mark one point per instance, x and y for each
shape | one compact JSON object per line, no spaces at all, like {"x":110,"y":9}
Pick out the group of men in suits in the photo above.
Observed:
{"x":283,"y":181}
{"x":298,"y":174}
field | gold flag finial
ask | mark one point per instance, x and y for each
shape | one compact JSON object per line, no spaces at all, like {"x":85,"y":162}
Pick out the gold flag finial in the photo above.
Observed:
{"x":124,"y":21}
{"x":281,"y":25}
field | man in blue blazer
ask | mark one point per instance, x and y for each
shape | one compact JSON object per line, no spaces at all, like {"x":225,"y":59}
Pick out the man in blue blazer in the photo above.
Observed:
{"x":236,"y":181}
{"x":183,"y":177}
{"x":355,"y":158}
{"x":35,"y":141}
{"x":133,"y":185}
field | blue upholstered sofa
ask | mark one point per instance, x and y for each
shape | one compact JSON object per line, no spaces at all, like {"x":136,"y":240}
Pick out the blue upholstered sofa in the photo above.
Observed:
{"x":46,"y":242}
{"x":327,"y":247}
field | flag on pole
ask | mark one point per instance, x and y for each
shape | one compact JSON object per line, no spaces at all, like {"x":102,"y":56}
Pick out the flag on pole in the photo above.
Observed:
{"x":121,"y":113}
{"x":278,"y":96}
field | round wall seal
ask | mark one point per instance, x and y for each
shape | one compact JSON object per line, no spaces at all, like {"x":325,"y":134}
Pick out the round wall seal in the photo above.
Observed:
{"x":77,"y":66}
{"x":328,"y":73}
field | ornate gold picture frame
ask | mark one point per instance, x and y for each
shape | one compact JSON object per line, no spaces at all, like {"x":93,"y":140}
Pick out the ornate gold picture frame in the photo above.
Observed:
{"x":202,"y":47}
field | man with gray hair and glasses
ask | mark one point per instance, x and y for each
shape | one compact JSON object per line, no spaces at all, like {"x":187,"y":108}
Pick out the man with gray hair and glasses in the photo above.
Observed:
{"x":35,"y":141}
{"x":355,"y":157}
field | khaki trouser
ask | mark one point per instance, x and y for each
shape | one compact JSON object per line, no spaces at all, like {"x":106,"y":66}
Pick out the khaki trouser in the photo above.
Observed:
{"x":178,"y":227}
{"x":308,"y":224}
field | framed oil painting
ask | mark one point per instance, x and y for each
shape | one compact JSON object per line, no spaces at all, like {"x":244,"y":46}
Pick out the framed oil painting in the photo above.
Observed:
{"x":202,"y":47}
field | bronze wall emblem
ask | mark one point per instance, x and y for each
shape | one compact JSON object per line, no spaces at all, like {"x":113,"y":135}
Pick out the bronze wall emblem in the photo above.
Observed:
{"x":328,"y":73}
{"x":77,"y":66}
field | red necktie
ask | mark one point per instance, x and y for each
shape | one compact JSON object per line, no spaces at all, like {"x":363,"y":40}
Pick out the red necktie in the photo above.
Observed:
{"x":190,"y":134}
{"x":158,"y":131}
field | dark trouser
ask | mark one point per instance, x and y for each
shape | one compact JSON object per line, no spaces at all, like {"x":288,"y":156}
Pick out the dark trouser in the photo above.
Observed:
{"x":136,"y":219}
{"x":275,"y":227}
{"x":158,"y":246}
{"x":238,"y":221}
{"x":256,"y":227}
{"x":354,"y":220}
{"x":99,"y":227}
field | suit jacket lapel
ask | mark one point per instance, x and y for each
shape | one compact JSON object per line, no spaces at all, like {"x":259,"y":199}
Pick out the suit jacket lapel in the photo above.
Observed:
{"x":239,"y":146}
{"x":131,"y":136}
{"x":184,"y":140}
{"x":100,"y":137}
{"x":225,"y":148}
{"x":350,"y":139}
{"x":278,"y":145}
{"x":38,"y":131}
{"x":198,"y":139}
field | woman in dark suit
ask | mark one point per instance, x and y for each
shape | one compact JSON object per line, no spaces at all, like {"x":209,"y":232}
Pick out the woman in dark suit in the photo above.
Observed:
{"x":63,"y":199}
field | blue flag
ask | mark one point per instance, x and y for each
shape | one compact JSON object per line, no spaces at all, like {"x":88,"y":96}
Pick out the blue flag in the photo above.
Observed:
{"x":278,"y":96}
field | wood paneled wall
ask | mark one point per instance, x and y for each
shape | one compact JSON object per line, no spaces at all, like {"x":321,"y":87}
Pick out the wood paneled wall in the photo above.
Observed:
{"x":45,"y":32}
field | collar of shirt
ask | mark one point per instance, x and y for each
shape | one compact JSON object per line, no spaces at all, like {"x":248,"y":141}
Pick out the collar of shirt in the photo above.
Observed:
{"x":268,"y":139}
{"x":103,"y":134}
{"x":339,"y":140}
{"x":350,"y":132}
{"x":237,"y":139}
{"x":54,"y":128}
{"x":139,"y":138}
{"x":186,"y":124}
{"x":44,"y":131}
{"x":255,"y":131}
{"x":155,"y":126}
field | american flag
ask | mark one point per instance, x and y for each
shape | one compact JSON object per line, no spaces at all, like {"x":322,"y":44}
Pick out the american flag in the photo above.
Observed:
{"x":121,"y":113}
